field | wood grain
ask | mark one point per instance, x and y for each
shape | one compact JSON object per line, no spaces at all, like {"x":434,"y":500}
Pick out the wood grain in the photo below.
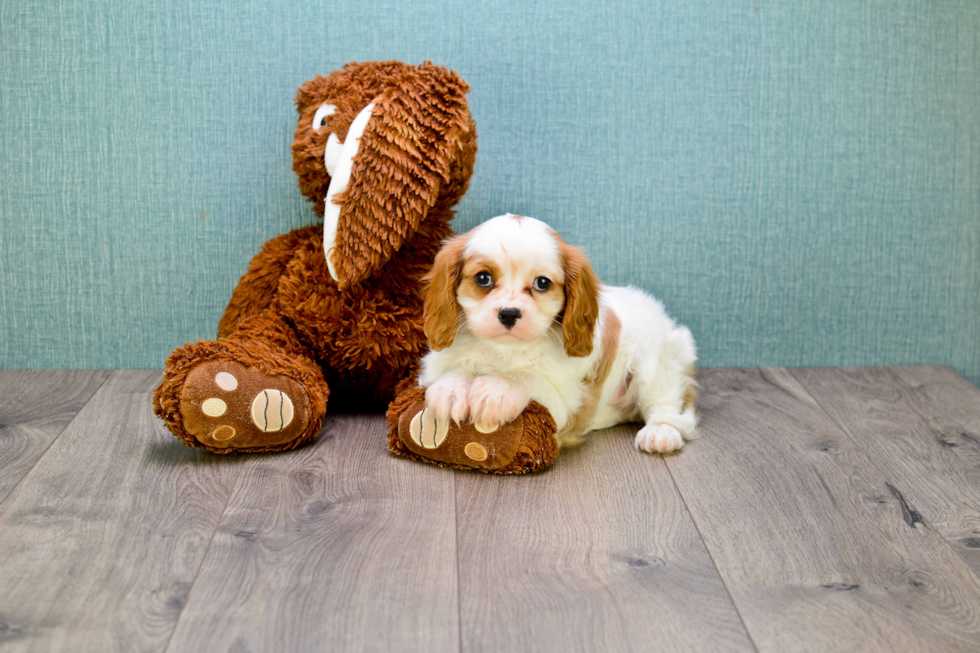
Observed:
{"x":337,"y":546}
{"x":822,"y":497}
{"x":819,"y":549}
{"x":921,"y":427}
{"x":100,"y":543}
{"x":35,"y":407}
{"x":596,"y":554}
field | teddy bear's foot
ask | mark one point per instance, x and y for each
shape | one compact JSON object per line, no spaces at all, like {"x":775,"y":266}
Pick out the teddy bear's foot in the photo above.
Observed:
{"x":226,"y":405}
{"x":526,"y":444}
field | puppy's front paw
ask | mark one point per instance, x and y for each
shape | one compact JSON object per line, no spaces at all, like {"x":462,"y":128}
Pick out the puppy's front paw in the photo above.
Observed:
{"x":448,"y":397}
{"x":494,"y":401}
{"x":659,"y":438}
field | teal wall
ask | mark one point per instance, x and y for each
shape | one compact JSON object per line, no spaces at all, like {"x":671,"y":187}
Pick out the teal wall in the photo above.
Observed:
{"x":798,"y":181}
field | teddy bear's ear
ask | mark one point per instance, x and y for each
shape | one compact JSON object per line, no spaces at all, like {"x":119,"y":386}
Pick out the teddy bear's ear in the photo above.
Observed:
{"x":416,"y":131}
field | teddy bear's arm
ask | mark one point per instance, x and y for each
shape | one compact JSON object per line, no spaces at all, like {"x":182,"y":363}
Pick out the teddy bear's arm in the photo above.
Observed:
{"x":256,"y":290}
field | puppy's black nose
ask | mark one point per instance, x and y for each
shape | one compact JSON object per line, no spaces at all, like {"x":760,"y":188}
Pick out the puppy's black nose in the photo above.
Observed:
{"x":509,"y":316}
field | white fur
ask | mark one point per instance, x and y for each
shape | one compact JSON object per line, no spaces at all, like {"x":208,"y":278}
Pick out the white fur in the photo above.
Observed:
{"x":489,"y":374}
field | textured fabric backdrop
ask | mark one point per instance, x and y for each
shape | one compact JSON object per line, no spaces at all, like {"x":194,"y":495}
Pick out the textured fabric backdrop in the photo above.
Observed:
{"x":798,"y":181}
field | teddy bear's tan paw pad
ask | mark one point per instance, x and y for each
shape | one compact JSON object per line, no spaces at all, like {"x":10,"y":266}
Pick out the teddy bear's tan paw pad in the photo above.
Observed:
{"x":476,"y":451}
{"x":426,"y":430}
{"x":272,"y":410}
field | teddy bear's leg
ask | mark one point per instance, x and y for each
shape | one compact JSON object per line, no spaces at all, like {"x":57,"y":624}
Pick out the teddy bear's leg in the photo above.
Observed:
{"x":255,"y":390}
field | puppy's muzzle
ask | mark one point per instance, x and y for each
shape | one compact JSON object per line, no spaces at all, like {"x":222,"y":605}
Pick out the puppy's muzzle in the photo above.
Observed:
{"x":509,"y":316}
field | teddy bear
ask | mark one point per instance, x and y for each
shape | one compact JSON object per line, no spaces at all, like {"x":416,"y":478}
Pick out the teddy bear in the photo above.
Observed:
{"x":383,"y":150}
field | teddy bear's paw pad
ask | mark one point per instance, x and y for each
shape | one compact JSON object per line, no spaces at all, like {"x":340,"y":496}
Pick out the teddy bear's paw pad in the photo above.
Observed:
{"x":272,"y":410}
{"x":227,"y":405}
{"x":476,"y":452}
{"x":426,"y":430}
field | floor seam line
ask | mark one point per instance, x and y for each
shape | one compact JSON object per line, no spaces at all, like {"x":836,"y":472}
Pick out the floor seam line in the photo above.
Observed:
{"x":459,"y":598}
{"x":711,"y":557}
{"x":204,"y":558}
{"x":108,"y":376}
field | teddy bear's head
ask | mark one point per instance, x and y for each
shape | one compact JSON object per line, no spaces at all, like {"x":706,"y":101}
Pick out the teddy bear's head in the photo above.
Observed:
{"x":378,"y":145}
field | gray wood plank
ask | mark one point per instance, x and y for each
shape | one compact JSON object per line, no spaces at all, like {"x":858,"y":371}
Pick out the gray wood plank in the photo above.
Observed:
{"x":816,"y":549}
{"x":921,"y":426}
{"x":35,"y":407}
{"x":596,"y":554}
{"x":100,"y":542}
{"x":337,"y":546}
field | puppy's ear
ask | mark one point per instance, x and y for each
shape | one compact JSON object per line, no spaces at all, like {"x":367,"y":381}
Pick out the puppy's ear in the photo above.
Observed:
{"x":441,"y":308}
{"x":581,"y":302}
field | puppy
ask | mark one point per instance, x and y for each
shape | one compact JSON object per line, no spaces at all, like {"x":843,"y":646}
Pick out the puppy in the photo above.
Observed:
{"x":514,"y":314}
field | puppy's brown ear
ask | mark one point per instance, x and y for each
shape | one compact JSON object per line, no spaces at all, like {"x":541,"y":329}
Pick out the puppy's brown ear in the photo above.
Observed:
{"x":418,"y":134}
{"x":581,"y":302}
{"x":441,"y":308}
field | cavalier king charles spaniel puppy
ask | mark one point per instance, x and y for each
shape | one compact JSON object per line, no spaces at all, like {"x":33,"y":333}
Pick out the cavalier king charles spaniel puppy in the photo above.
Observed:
{"x":514,"y":314}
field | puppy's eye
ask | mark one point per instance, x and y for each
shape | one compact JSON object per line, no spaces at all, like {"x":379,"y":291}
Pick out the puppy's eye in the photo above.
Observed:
{"x":541,"y":284}
{"x":483,"y":279}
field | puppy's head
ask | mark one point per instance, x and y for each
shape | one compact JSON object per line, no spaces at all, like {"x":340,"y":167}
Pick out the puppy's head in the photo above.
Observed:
{"x":512,"y":279}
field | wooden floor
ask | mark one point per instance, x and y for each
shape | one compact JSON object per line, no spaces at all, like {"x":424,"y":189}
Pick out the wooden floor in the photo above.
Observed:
{"x":821,"y":510}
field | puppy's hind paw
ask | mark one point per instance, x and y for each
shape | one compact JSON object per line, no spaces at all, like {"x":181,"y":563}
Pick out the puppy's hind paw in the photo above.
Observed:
{"x":659,"y":438}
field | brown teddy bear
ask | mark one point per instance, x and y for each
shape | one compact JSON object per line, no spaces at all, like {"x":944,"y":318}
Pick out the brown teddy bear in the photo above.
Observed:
{"x":383,"y":150}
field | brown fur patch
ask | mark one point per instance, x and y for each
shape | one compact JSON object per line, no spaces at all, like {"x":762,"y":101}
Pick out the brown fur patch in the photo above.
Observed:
{"x":581,"y":301}
{"x":472,"y":267}
{"x":468,"y":288}
{"x":596,"y":378}
{"x":477,"y":264}
{"x":556,"y":290}
{"x":442,"y":316}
